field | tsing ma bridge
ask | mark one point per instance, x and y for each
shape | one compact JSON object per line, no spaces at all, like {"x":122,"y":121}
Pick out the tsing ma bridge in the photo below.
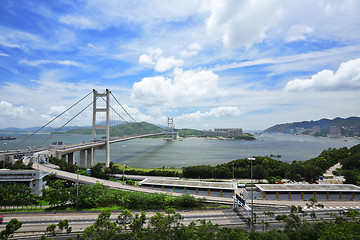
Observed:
{"x":87,"y":149}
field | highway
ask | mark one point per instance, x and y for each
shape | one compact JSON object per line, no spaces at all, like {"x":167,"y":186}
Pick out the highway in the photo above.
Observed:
{"x":36,"y":223}
{"x":90,"y":180}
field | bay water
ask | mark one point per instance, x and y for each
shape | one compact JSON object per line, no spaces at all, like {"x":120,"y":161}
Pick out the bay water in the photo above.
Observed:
{"x":158,"y":153}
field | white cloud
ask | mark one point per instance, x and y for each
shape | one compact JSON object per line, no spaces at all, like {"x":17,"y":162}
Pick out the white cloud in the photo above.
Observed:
{"x":163,"y":64}
{"x":90,"y":45}
{"x":11,"y":113}
{"x":153,"y":54}
{"x":59,"y":62}
{"x":215,"y":112}
{"x":54,"y":111}
{"x":297,"y":32}
{"x":16,"y":39}
{"x":80,"y":22}
{"x":347,"y":77}
{"x":146,"y":60}
{"x":192,"y":50}
{"x":4,"y":55}
{"x":9,"y":110}
{"x":97,"y":14}
{"x":185,"y":86}
{"x":241,"y":23}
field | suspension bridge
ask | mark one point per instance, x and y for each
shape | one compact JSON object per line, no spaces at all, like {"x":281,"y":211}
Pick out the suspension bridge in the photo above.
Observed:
{"x":102,"y":110}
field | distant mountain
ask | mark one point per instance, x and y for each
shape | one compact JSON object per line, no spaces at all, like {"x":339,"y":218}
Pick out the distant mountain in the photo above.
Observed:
{"x":189,"y":132}
{"x":324,"y":124}
{"x":45,"y":129}
{"x":53,"y":129}
{"x":122,"y":129}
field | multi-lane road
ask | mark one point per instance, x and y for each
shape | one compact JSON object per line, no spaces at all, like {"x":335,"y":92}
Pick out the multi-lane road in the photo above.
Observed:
{"x":36,"y":223}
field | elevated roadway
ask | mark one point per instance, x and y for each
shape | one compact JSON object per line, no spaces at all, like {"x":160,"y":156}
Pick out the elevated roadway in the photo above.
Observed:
{"x":63,"y":150}
{"x":117,"y":185}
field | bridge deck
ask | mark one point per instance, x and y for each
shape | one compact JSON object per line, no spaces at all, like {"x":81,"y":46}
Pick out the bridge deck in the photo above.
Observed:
{"x":117,"y":185}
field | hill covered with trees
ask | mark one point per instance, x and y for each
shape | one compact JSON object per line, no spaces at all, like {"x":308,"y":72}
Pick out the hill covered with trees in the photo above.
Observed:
{"x":345,"y":124}
{"x":122,"y":129}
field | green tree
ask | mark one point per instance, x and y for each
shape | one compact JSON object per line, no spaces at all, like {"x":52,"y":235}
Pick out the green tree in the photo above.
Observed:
{"x":51,"y":229}
{"x":57,"y":193}
{"x":64,"y":225}
{"x":10,"y":228}
{"x":103,"y":228}
{"x":351,"y":176}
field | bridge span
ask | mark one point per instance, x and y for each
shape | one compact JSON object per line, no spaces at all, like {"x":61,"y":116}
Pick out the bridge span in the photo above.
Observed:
{"x":77,"y":178}
{"x":88,"y":148}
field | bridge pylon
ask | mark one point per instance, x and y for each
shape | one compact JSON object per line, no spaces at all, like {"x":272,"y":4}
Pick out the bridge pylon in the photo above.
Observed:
{"x":170,"y":128}
{"x":106,"y":97}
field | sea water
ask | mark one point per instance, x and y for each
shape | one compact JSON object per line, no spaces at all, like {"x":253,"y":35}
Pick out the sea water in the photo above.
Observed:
{"x":158,"y":153}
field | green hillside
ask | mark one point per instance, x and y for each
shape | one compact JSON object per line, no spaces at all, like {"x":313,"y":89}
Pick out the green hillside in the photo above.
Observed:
{"x":185,"y":132}
{"x":122,"y":129}
{"x":350,"y":123}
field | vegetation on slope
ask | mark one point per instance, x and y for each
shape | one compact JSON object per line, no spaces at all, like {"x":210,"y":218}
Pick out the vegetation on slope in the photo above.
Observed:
{"x":123,"y":129}
{"x":275,"y":170}
{"x":185,"y":132}
{"x":325,"y":124}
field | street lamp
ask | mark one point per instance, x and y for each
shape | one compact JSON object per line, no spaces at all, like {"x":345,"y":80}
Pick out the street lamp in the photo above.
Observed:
{"x":252,"y":194}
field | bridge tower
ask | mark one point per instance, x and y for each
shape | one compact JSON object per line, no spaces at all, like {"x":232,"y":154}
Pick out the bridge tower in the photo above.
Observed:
{"x":170,"y":128}
{"x":106,"y":97}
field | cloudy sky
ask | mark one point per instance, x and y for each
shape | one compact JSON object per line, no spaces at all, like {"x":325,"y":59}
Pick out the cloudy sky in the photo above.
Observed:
{"x":233,"y":63}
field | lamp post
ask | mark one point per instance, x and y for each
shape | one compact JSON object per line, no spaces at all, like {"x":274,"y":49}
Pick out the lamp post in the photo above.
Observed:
{"x":252,"y":194}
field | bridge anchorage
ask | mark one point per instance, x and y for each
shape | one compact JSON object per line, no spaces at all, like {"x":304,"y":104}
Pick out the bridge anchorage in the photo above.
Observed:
{"x":87,"y":149}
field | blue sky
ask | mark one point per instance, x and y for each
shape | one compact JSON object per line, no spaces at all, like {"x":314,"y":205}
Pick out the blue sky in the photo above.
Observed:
{"x":207,"y":64}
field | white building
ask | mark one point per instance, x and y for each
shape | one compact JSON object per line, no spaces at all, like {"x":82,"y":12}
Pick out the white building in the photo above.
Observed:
{"x":31,"y":178}
{"x":304,"y":192}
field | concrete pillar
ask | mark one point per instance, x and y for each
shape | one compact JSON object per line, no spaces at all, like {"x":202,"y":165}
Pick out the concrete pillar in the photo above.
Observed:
{"x":71,"y":158}
{"x":82,"y":158}
{"x":107,"y":127}
{"x":88,"y":158}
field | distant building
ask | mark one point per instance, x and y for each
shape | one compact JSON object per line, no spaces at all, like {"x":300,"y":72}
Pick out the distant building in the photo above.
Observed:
{"x":32,"y":178}
{"x":216,"y":189}
{"x":334,"y":132}
{"x":224,"y":132}
{"x":299,"y":130}
{"x":297,"y":192}
{"x":316,"y":129}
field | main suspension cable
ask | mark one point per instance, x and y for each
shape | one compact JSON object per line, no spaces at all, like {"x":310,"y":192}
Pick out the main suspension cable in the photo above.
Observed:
{"x":126,"y":111}
{"x":51,"y":121}
{"x":64,"y":124}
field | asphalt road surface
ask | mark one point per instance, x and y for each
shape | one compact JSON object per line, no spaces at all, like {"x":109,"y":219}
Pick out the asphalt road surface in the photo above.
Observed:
{"x":36,"y":223}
